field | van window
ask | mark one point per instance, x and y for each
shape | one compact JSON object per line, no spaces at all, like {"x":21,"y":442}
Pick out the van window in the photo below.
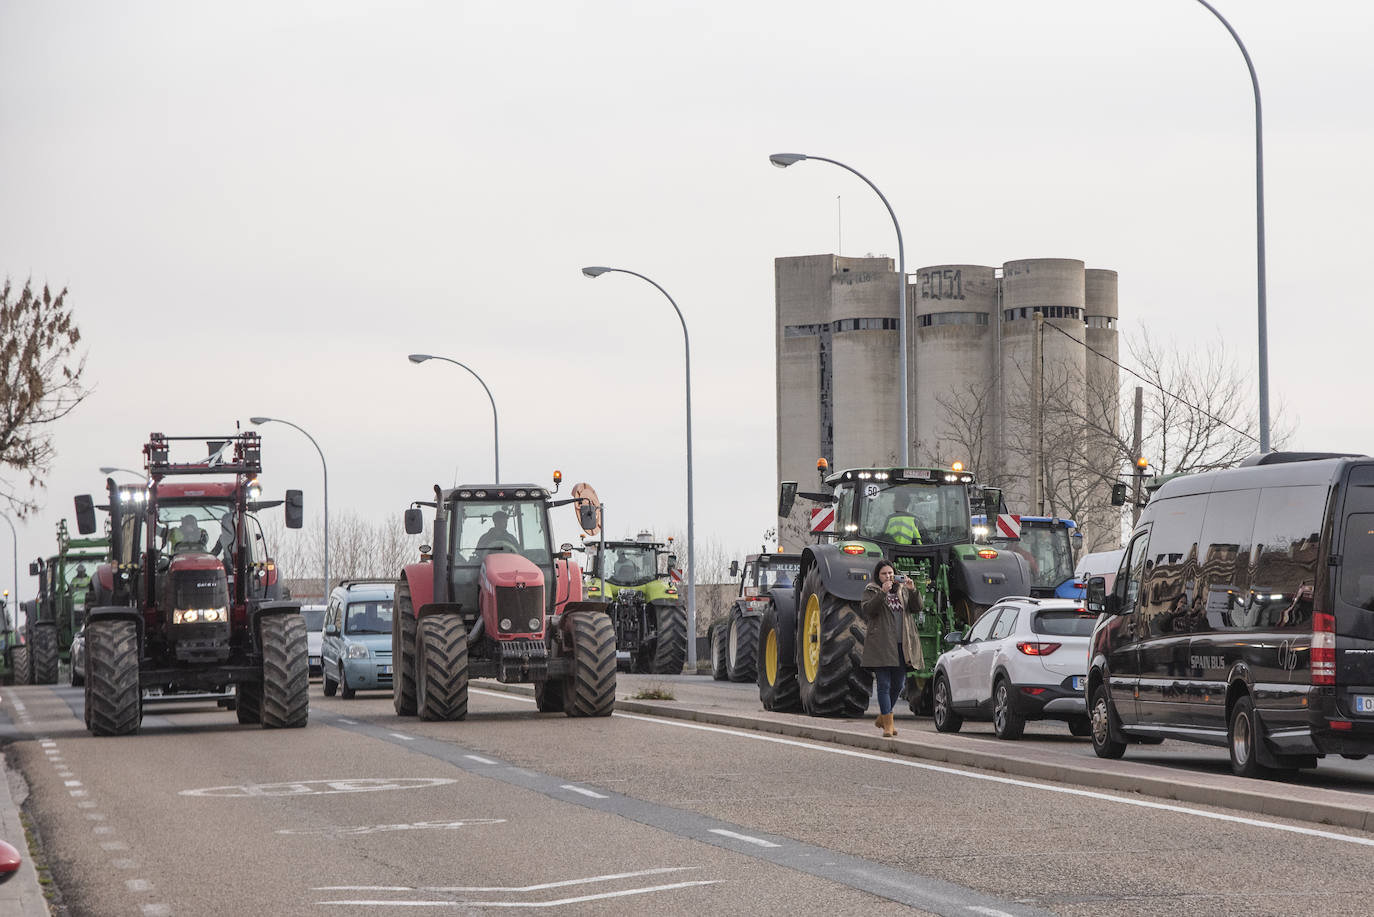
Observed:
{"x":1132,"y":573}
{"x":1224,"y":571}
{"x":1168,"y":599}
{"x":1284,"y":565}
{"x":1357,"y":561}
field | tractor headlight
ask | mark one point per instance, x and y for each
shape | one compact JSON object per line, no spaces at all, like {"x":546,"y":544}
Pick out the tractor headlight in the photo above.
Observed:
{"x":505,"y":623}
{"x":357,"y":651}
{"x":534,"y":624}
{"x":200,"y":615}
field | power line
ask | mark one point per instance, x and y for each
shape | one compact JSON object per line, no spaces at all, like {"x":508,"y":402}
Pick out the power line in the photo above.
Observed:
{"x":1154,"y":384}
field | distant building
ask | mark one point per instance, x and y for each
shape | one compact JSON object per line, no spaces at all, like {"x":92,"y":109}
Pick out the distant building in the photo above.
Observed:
{"x":970,"y":340}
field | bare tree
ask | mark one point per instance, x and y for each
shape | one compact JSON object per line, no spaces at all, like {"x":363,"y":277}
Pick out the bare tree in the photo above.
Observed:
{"x":40,"y":383}
{"x":359,"y":548}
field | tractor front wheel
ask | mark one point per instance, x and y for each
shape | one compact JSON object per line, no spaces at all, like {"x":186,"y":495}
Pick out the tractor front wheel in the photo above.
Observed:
{"x":285,"y":672}
{"x":45,"y":654}
{"x":777,"y":677}
{"x":403,"y":630}
{"x":831,"y":680}
{"x":589,"y":689}
{"x":670,"y":646}
{"x":114,"y":698}
{"x":720,"y":670}
{"x":743,"y":647}
{"x":441,"y":668}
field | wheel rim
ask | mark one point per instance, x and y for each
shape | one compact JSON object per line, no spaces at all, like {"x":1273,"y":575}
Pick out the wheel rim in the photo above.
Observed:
{"x":999,"y":714}
{"x":770,"y":657}
{"x":811,"y":633}
{"x":1241,"y":739}
{"x":941,"y":701}
{"x":733,"y":644}
{"x":1100,"y":725}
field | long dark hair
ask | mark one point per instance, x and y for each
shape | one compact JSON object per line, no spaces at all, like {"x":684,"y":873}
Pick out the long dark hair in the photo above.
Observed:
{"x":878,"y":569}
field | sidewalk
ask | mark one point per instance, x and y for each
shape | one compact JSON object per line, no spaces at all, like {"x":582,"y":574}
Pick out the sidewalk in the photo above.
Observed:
{"x":21,"y":896}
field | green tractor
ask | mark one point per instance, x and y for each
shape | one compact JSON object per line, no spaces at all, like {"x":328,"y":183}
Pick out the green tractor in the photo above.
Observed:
{"x":811,"y":641}
{"x":9,"y":640}
{"x":56,"y":616}
{"x":644,"y":604}
{"x":734,"y":639}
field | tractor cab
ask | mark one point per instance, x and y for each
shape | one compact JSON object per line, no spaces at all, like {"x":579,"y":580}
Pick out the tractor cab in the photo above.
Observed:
{"x":640,"y":564}
{"x":1049,"y":546}
{"x":765,"y":572}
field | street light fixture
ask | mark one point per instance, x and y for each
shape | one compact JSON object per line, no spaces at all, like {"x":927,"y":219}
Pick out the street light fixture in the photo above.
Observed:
{"x":14,"y":596}
{"x":259,"y":421}
{"x":110,"y":469}
{"x":594,"y":272}
{"x":495,"y":424}
{"x":782,"y":161}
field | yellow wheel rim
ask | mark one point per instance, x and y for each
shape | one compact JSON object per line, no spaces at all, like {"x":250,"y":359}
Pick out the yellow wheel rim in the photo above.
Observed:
{"x":770,"y":657}
{"x":811,"y":635}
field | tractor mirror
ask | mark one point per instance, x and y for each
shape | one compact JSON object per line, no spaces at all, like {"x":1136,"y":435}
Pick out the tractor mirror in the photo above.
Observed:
{"x":992,"y":501}
{"x":415,"y":521}
{"x":295,"y":509}
{"x":734,"y":569}
{"x":33,"y":568}
{"x":586,"y":516}
{"x":787,"y":496}
{"x":85,"y":514}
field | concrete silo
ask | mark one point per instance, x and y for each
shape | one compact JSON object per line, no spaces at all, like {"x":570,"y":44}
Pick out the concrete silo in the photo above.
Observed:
{"x":866,"y":388}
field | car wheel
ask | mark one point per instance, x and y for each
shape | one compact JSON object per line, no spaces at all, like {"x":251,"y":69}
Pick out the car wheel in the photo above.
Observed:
{"x":946,"y":720}
{"x":1243,"y":738}
{"x":345,"y":689}
{"x":331,"y":687}
{"x":1103,"y":718}
{"x":1006,"y":722}
{"x":1081,"y":726}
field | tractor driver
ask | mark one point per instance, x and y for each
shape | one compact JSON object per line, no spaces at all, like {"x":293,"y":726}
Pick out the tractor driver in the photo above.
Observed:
{"x":901,"y":525}
{"x":498,"y":538}
{"x":188,"y":536}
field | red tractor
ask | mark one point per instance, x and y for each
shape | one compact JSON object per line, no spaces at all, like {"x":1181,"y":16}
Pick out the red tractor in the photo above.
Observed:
{"x":190,"y":601}
{"x":493,"y":600}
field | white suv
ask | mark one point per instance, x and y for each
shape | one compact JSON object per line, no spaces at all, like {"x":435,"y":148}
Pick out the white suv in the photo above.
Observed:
{"x":1023,"y":659}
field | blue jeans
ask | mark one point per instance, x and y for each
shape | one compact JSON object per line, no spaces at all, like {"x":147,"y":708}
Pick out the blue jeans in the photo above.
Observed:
{"x":890,"y":679}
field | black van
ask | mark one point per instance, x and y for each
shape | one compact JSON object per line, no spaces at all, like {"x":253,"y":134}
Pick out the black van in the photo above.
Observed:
{"x":1243,"y":615}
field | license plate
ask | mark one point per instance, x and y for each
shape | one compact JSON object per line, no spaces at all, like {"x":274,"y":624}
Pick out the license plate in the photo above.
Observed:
{"x":385,"y":670}
{"x":1078,"y":682}
{"x":1364,"y":703}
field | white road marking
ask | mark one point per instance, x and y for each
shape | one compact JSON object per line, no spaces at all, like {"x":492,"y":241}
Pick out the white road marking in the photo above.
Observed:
{"x":114,"y":845}
{"x":558,"y":903}
{"x":744,"y":837}
{"x":155,"y":910}
{"x":102,"y":829}
{"x":584,"y":791}
{"x":78,"y":793}
{"x":479,"y":759}
{"x":989,"y":911}
{"x":348,"y":721}
{"x":319,"y":787}
{"x":612,"y":877}
{"x":138,"y":885}
{"x":71,"y":783}
{"x":350,"y":830}
{"x":93,"y":816}
{"x":123,"y":864}
{"x":402,"y":736}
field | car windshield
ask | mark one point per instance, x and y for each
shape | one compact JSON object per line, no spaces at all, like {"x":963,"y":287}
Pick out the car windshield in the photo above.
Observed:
{"x":629,"y":565}
{"x":314,"y":618}
{"x":486,"y":528}
{"x":1064,"y":622}
{"x":1046,"y":549}
{"x":887,"y":511}
{"x":371,"y":617}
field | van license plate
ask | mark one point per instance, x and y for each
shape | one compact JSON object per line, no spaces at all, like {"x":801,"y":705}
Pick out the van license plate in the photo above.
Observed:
{"x":1364,"y":703}
{"x":385,"y":670}
{"x":1078,"y":682}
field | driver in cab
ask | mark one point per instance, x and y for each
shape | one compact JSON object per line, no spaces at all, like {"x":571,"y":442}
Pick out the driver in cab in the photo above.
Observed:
{"x":901,"y":526}
{"x":498,"y":537}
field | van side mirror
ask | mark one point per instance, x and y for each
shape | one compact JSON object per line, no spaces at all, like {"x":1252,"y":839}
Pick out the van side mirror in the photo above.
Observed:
{"x":295,"y":509}
{"x":85,"y":514}
{"x":787,"y":497}
{"x":1096,"y":598}
{"x":415,"y":521}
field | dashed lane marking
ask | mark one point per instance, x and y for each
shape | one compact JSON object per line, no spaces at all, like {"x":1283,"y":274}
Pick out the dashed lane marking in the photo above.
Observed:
{"x":403,"y":737}
{"x":583,"y":899}
{"x":757,"y":841}
{"x":470,"y":889}
{"x":479,"y":759}
{"x":584,"y":791}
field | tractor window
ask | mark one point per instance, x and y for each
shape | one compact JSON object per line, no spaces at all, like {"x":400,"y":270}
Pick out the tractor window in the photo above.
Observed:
{"x":480,"y":529}
{"x":630,"y":565}
{"x":939,"y":513}
{"x":1047,"y":551}
{"x":183,"y":527}
{"x":368,"y":617}
{"x":778,"y":575}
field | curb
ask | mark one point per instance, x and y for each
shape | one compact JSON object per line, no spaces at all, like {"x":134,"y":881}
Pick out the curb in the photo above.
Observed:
{"x":21,"y":895}
{"x":1275,"y":800}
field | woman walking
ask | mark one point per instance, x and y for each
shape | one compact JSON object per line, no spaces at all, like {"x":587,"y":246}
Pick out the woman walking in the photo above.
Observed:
{"x":892,"y":644}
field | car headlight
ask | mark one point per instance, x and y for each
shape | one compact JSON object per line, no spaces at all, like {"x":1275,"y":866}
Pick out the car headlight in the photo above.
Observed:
{"x":357,"y":651}
{"x":200,"y":615}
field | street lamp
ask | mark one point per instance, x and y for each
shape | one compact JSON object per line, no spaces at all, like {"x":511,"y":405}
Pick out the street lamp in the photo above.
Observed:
{"x":782,"y":161}
{"x":495,"y":427}
{"x":258,"y":421}
{"x":594,"y":272}
{"x":14,"y":600}
{"x":1259,"y":237}
{"x":110,"y":469}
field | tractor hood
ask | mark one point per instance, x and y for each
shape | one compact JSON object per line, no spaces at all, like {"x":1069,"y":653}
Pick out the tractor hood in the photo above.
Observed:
{"x":194,"y":561}
{"x":511,"y":571}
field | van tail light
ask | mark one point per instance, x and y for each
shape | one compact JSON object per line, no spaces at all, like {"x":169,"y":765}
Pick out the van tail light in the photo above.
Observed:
{"x":1037,"y":649}
{"x":1323,"y":649}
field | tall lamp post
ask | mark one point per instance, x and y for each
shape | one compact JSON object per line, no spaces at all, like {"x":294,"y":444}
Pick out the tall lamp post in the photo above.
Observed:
{"x":782,"y":161}
{"x":110,"y":469}
{"x":258,"y":421}
{"x":691,"y":527}
{"x":1259,"y":236}
{"x":14,"y":596}
{"x":495,"y":424}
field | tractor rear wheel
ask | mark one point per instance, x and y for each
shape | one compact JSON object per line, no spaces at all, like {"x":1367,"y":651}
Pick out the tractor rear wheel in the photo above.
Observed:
{"x":720,"y":667}
{"x":285,"y":672}
{"x":743,"y":647}
{"x":777,"y":677}
{"x":403,"y":643}
{"x":115,"y":702}
{"x":831,"y":680}
{"x":670,"y":646}
{"x":589,"y":689}
{"x":441,"y":668}
{"x":548,"y":695}
{"x":44,"y":654}
{"x":248,"y":705}
{"x":23,"y":669}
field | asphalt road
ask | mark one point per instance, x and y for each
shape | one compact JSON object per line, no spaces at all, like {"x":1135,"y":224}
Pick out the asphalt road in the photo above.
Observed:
{"x":366,"y":813}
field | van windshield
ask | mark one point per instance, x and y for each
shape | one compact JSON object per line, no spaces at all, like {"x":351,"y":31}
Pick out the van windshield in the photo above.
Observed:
{"x":1357,"y":561}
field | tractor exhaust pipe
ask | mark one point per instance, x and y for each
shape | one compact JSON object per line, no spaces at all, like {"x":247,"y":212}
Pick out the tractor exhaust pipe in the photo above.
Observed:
{"x":441,"y":559}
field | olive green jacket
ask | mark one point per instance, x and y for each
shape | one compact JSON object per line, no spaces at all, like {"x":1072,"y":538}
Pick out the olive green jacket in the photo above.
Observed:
{"x":880,"y":644}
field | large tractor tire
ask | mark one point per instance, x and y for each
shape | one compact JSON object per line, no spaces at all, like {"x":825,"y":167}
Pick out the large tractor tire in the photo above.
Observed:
{"x":248,"y":704}
{"x":670,"y":646}
{"x":114,"y":700}
{"x":590,"y":689}
{"x":777,"y":676}
{"x":44,"y":654}
{"x":403,"y":629}
{"x":742,"y":648}
{"x":22,"y":664}
{"x":441,"y":668}
{"x":830,"y":680}
{"x":548,"y":695}
{"x":720,"y":665}
{"x":285,"y":672}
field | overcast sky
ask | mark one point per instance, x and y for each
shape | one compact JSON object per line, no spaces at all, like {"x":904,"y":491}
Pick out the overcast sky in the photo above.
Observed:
{"x":261,"y":208}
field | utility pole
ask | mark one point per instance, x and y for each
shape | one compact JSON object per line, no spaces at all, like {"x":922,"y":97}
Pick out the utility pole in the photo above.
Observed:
{"x":1038,"y":414}
{"x":1139,"y":471}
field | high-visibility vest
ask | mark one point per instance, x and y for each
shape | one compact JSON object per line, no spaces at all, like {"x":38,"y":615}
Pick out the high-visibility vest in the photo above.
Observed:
{"x":901,"y":528}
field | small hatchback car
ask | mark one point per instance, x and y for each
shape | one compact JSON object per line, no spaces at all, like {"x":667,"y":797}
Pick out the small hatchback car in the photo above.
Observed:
{"x":356,"y":649}
{"x":1023,"y":659}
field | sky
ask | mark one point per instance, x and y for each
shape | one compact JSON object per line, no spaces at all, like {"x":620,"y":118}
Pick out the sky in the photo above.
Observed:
{"x":262,"y":208}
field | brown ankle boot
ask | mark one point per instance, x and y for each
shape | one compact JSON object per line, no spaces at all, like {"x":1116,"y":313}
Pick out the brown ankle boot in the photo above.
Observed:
{"x":879,"y":721}
{"x":888,"y":730}
{"x":891,"y":726}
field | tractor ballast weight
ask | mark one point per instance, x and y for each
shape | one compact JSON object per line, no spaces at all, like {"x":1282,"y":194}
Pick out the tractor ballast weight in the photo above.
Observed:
{"x":497,"y":602}
{"x":644,"y":604}
{"x":918,"y":520}
{"x":734,"y":639}
{"x":172,"y":616}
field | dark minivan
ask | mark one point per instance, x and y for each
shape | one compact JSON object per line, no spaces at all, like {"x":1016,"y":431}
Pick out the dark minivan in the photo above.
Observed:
{"x":1243,"y":616}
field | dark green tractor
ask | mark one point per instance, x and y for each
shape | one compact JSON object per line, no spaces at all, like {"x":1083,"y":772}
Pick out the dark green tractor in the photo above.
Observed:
{"x":58,"y":613}
{"x":811,"y":642}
